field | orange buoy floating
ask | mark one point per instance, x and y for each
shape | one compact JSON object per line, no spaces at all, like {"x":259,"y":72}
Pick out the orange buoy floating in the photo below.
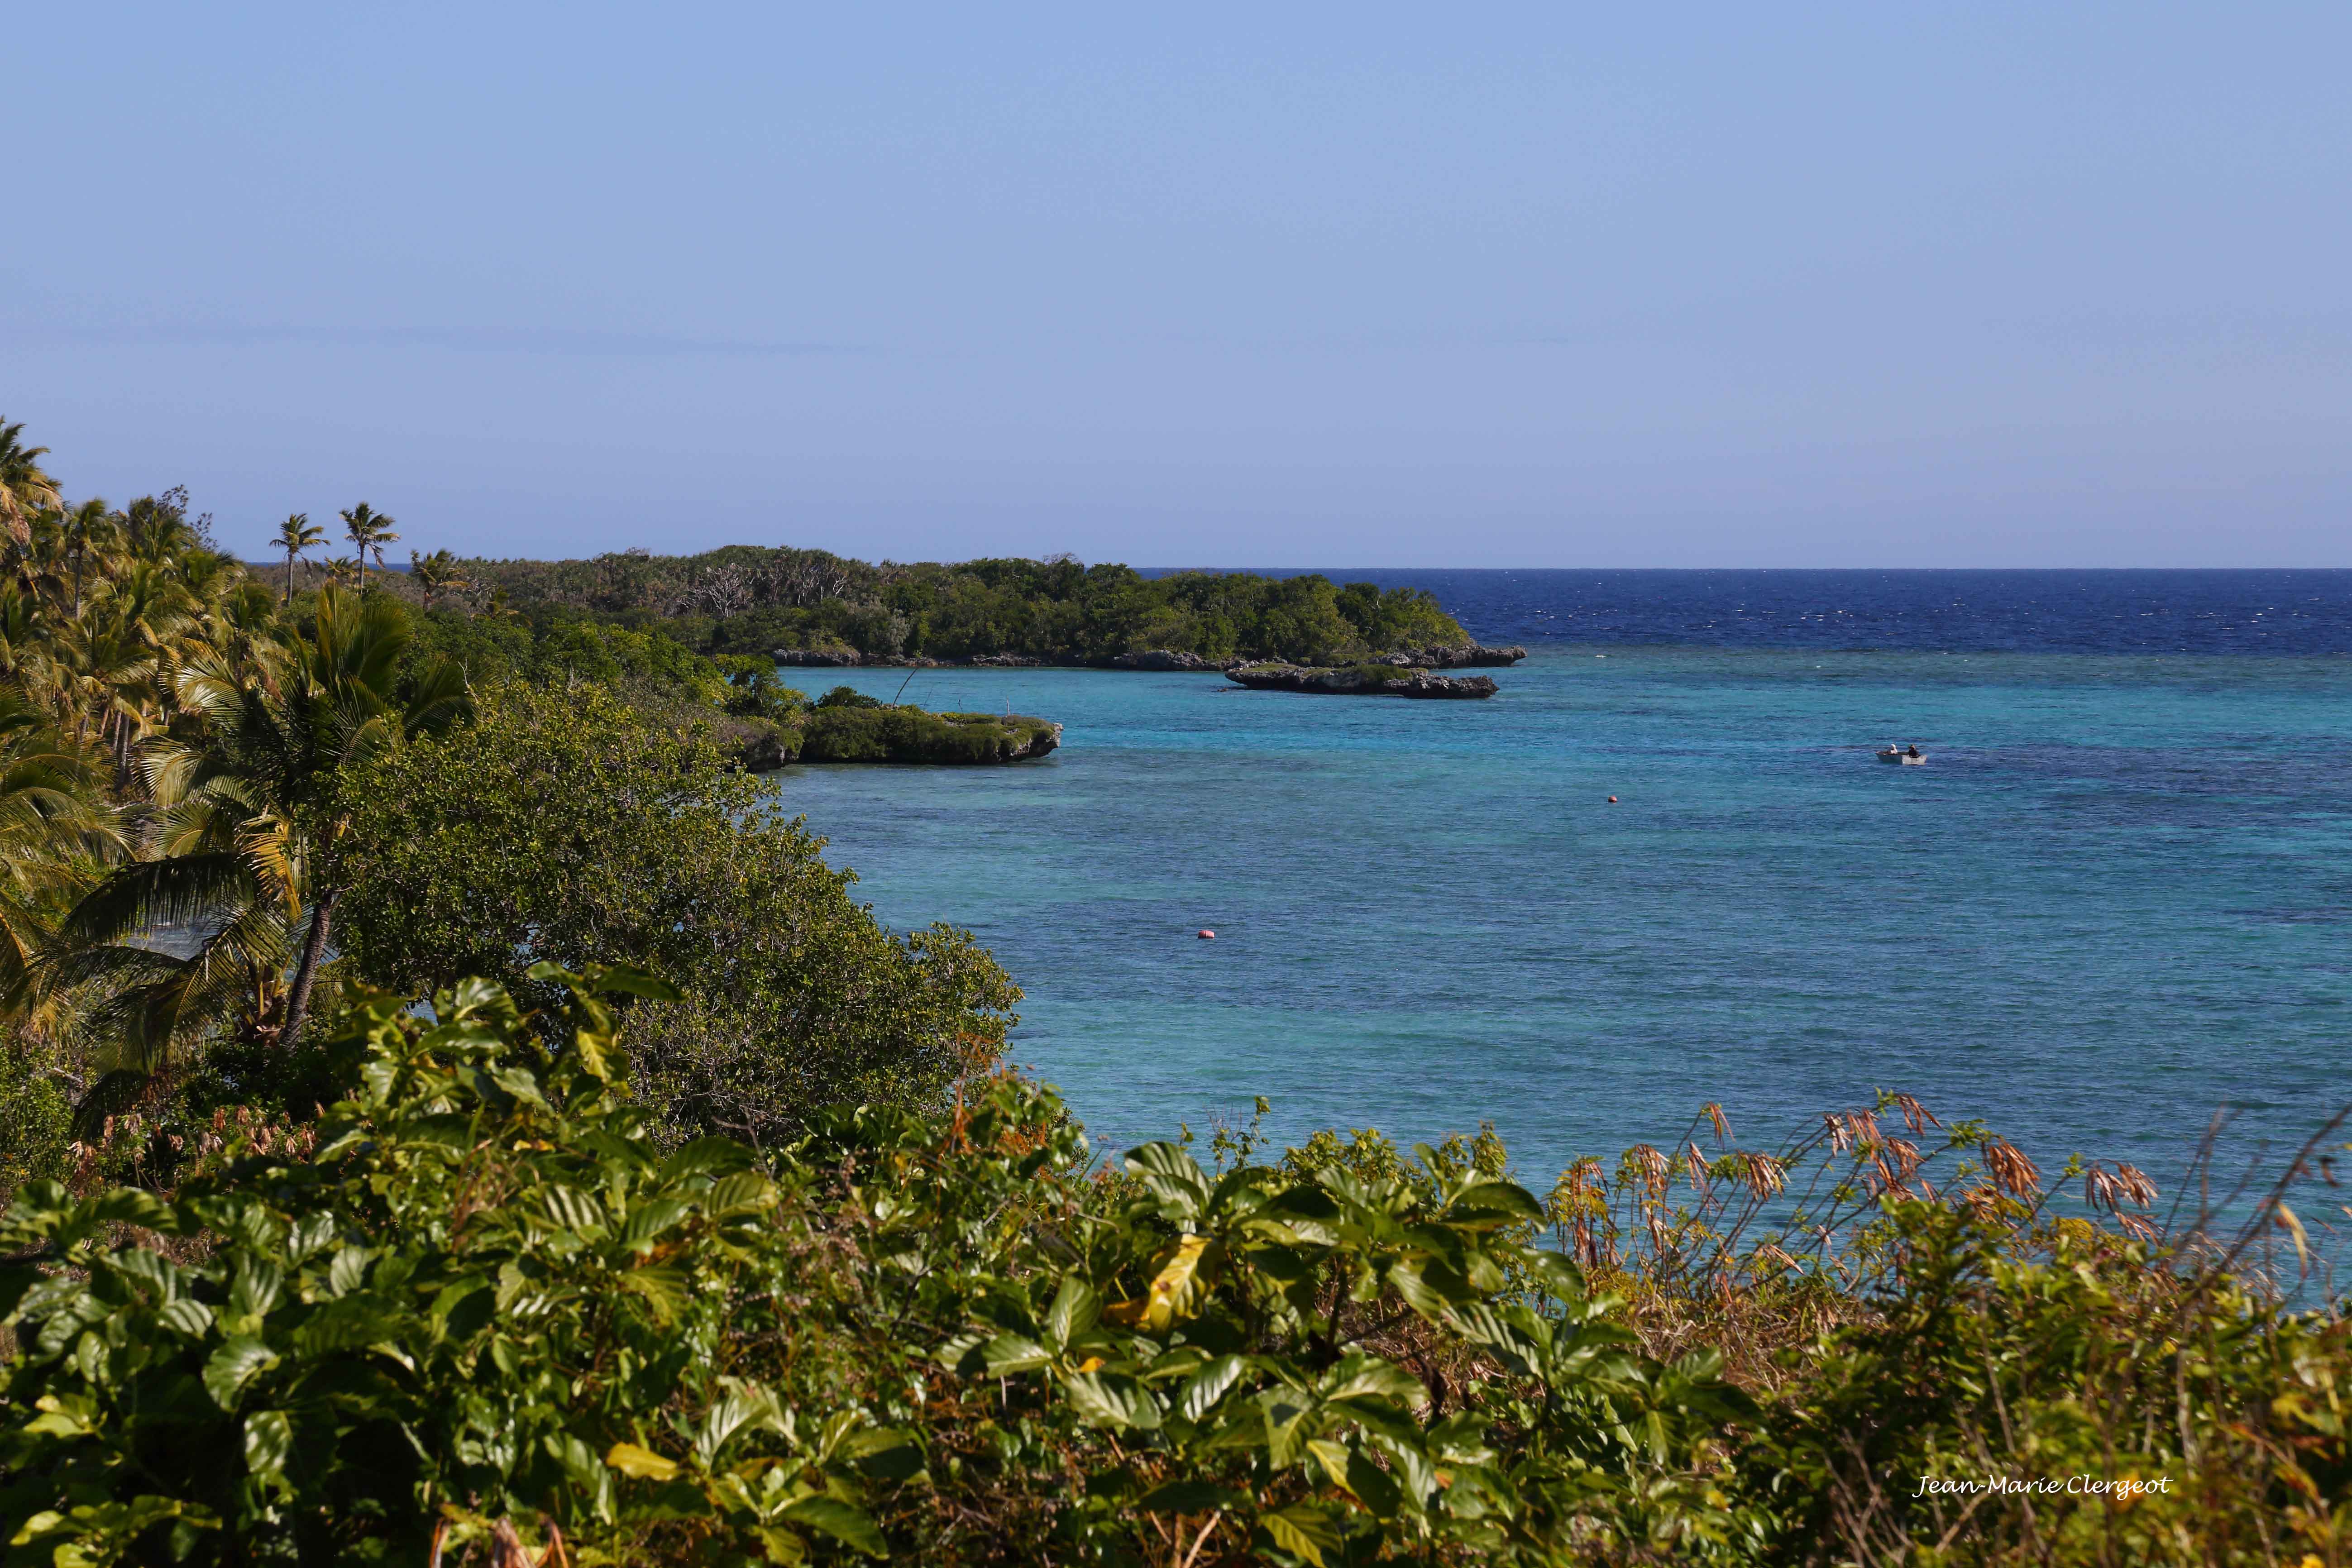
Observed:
{"x":1208,"y":935}
{"x":1612,"y":800}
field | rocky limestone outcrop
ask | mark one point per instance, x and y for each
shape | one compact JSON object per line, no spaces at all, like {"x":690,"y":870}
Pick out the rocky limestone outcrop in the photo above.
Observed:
{"x":1468,"y":656}
{"x":1162,"y":658}
{"x":1465,"y":656}
{"x":1361,"y":681}
{"x":1041,"y":741}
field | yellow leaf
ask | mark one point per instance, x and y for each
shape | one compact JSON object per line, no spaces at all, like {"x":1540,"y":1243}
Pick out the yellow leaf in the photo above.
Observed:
{"x":1172,"y":1289}
{"x":2293,"y":1228}
{"x":641,"y":1463}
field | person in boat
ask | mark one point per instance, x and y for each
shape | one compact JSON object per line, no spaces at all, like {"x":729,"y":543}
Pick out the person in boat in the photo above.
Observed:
{"x":1913,"y":750}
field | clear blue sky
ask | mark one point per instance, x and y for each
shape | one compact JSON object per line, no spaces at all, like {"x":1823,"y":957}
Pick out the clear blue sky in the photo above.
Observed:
{"x":1543,"y":285}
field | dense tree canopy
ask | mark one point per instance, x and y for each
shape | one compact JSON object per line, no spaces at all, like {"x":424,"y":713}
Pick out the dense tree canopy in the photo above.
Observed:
{"x":741,"y":599}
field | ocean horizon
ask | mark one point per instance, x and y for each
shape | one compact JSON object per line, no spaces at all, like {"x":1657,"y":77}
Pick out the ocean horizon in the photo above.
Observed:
{"x":2114,"y":905}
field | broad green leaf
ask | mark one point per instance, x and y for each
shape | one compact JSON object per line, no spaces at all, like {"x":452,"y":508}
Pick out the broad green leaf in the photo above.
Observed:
{"x":1360,"y":1375}
{"x":960,"y":1353}
{"x":1555,"y":1275}
{"x":1286,"y":1413}
{"x":1173,"y":1177}
{"x":235,"y":1365}
{"x":475,"y":995}
{"x":1112,"y":1400}
{"x":1332,"y":1456}
{"x":750,"y":1406}
{"x":1188,"y":1497}
{"x":782,"y":1546}
{"x":348,"y":1272}
{"x":1409,"y":1464}
{"x":850,"y":1526}
{"x":663,"y":1286}
{"x":649,"y":1220}
{"x":1206,"y":1387}
{"x":350,"y":1323}
{"x":632,"y":981}
{"x":269,"y":1438}
{"x":185,"y":1315}
{"x":127,"y":1206}
{"x":1493,"y":1203}
{"x":522,"y":1083}
{"x":705,"y":1156}
{"x":573,"y":1210}
{"x":1305,"y":1532}
{"x":253,"y":1289}
{"x":1375,"y":1487}
{"x":1010,"y":1352}
{"x":745,"y":1192}
{"x":1077,"y":1308}
{"x":1406,"y":1278}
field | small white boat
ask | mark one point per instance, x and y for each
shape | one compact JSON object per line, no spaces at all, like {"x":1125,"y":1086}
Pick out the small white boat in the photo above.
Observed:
{"x":1904,"y":756}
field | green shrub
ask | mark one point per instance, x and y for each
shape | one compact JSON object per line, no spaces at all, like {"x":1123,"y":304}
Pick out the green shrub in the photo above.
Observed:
{"x":36,"y":1121}
{"x":560,"y":826}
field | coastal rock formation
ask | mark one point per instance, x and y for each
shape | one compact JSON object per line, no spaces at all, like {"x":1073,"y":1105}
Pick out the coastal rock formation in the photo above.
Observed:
{"x":1162,"y":658}
{"x":1466,"y":655}
{"x":1361,"y":681}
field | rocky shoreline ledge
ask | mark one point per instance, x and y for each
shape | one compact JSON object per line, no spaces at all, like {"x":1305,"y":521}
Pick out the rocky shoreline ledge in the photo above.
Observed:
{"x":1465,"y":656}
{"x":1361,"y":681}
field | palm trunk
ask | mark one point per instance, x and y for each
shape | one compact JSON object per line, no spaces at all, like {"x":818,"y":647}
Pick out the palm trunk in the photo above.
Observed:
{"x":289,"y":578}
{"x":298,"y":996}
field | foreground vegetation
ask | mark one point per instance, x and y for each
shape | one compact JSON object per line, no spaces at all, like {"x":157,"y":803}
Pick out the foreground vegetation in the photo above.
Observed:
{"x":357,"y":1214}
{"x":475,"y":1311}
{"x":744,"y":600}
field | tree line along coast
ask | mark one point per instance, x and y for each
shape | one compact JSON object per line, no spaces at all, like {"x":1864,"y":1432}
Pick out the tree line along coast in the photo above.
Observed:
{"x":448,"y":1113}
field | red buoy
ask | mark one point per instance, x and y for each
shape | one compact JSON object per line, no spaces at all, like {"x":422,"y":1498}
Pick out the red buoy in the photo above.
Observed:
{"x":1612,"y":800}
{"x":1208,"y":935}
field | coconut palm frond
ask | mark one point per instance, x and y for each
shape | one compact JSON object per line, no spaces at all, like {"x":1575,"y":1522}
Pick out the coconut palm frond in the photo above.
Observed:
{"x":180,"y":894}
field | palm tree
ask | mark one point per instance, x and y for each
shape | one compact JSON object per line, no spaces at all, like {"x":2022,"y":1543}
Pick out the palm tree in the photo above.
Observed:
{"x":295,"y":535}
{"x":342,"y":570}
{"x":436,"y":575}
{"x":368,"y":530}
{"x":86,"y":528}
{"x":246,"y":832}
{"x":24,"y":488}
{"x":56,"y":833}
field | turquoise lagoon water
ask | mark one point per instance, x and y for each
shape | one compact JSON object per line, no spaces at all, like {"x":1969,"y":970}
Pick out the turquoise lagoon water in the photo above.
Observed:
{"x":2117,"y":900}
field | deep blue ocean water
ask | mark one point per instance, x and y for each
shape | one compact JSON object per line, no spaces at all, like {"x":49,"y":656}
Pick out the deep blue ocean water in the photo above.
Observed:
{"x":2117,"y":899}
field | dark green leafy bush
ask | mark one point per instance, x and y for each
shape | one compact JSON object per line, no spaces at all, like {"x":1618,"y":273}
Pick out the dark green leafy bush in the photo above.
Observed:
{"x":565,"y":825}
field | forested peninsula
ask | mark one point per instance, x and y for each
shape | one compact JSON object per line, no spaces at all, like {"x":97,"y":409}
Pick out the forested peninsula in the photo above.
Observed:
{"x":450,"y":1114}
{"x":815,"y":608}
